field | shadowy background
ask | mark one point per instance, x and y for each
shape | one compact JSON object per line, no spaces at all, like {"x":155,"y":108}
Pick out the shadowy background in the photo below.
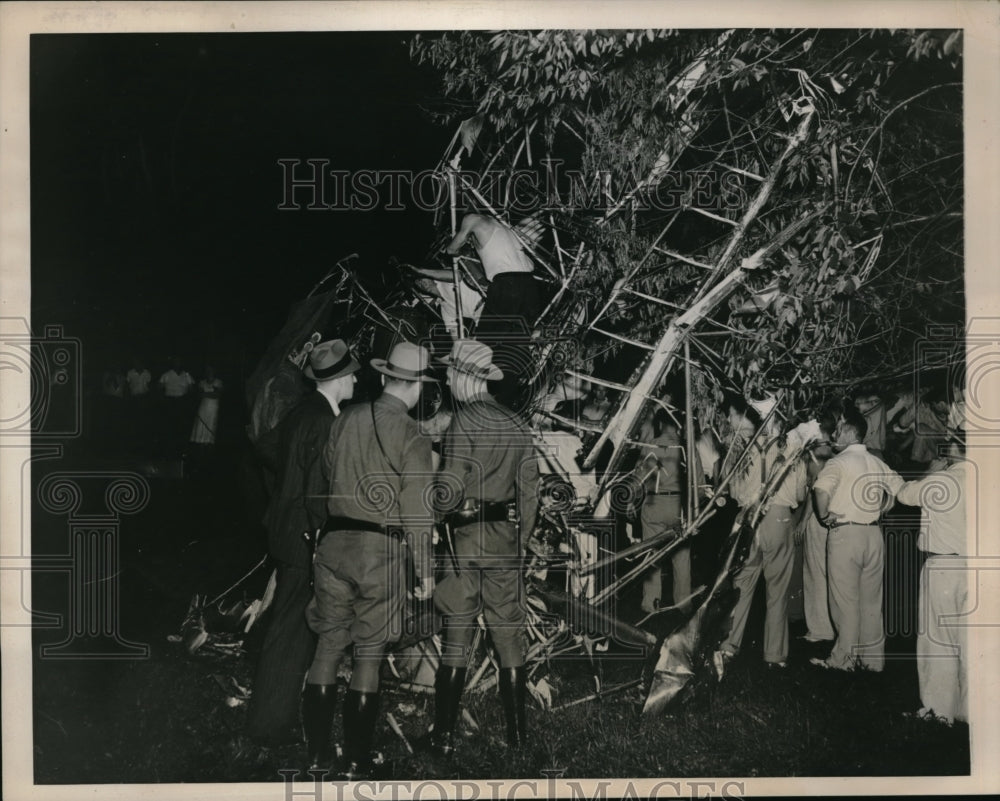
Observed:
{"x":155,"y":183}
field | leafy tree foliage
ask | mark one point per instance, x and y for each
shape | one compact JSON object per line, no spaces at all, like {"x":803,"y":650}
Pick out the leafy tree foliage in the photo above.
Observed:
{"x":624,"y":134}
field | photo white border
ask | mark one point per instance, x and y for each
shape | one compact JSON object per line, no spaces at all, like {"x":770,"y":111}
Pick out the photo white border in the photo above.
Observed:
{"x":979,"y":19}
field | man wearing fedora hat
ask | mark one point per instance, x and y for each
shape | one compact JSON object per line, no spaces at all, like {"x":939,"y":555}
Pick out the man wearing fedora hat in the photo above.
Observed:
{"x":380,"y":469}
{"x":294,"y":450}
{"x":489,"y":466}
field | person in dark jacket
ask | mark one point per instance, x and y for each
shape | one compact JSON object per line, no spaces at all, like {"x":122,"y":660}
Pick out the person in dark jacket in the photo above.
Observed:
{"x":294,"y":450}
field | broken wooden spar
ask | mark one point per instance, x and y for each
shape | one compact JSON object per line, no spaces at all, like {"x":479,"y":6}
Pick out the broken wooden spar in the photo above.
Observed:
{"x":665,"y":351}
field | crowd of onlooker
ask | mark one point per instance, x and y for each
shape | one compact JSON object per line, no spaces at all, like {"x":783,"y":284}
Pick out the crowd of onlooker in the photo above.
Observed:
{"x":173,"y":416}
{"x":820,"y":528}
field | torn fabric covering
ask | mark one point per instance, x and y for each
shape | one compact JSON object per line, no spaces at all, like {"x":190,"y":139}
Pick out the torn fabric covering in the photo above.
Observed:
{"x":276,"y":384}
{"x":685,"y":654}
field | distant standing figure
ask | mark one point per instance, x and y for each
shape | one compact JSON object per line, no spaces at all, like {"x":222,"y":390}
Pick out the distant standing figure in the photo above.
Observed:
{"x":113,"y":395}
{"x":113,"y":383}
{"x":137,"y":383}
{"x":923,"y":423}
{"x":742,"y":424}
{"x":930,"y":429}
{"x":558,"y":449}
{"x":207,"y":420}
{"x":175,"y":384}
{"x":138,"y":379}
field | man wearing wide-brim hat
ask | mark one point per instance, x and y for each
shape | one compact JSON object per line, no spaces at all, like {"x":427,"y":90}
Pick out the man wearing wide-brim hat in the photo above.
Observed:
{"x":489,"y":466}
{"x":294,"y":451}
{"x":471,"y":358}
{"x":377,"y":524}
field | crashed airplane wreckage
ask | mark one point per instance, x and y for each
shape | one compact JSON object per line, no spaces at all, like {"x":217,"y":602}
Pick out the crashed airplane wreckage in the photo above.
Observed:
{"x":580,"y":619}
{"x":771,"y":294}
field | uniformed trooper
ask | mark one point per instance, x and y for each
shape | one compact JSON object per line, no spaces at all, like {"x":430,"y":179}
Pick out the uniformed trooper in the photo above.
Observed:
{"x":490,"y":472}
{"x":380,"y":470}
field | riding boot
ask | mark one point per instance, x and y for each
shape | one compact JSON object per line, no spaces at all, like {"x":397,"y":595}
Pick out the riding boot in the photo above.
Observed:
{"x":448,"y":686}
{"x":512,"y":694}
{"x":319,"y":705}
{"x":360,"y":714}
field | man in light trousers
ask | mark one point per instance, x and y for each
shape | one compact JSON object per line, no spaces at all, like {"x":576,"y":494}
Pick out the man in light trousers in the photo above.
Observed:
{"x":815,"y":594}
{"x":771,"y":555}
{"x":851,"y":492}
{"x":942,"y":634}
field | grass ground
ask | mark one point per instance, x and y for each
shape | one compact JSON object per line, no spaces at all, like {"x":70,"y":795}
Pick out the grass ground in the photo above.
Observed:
{"x":165,"y":718}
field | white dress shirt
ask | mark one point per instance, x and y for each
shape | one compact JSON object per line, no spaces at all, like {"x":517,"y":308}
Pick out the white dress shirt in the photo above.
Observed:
{"x":857,"y":482}
{"x":941,"y":497}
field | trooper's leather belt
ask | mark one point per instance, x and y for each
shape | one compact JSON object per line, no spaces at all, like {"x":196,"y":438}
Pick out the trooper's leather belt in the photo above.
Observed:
{"x":337,"y":523}
{"x":473,"y":510}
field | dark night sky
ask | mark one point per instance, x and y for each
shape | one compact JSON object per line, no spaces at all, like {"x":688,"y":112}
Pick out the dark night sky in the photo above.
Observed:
{"x":155,"y":180}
